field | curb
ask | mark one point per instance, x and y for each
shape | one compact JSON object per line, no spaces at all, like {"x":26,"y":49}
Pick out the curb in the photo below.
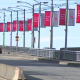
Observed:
{"x":61,"y":62}
{"x":57,"y":61}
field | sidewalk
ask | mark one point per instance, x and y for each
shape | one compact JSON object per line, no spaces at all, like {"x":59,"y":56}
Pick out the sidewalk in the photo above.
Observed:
{"x":28,"y":57}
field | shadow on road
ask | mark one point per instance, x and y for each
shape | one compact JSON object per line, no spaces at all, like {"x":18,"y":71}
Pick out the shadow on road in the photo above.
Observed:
{"x":28,"y":77}
{"x":30,"y":63}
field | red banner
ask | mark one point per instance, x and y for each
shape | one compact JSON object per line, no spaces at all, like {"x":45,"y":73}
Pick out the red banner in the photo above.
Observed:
{"x":14,"y":25}
{"x":8,"y":26}
{"x":1,"y":27}
{"x":62,"y":16}
{"x":21,"y":25}
{"x":78,"y":14}
{"x":35,"y":19}
{"x":29,"y":25}
{"x":47,"y":18}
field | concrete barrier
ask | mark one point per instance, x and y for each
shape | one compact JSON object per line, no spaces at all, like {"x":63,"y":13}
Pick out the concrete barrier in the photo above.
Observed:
{"x":11,"y":72}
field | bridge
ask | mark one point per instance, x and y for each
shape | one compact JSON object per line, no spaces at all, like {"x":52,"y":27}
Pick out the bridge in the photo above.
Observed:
{"x":42,"y":64}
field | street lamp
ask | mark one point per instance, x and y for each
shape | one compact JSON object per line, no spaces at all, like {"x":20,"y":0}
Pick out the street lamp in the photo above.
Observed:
{"x":32,"y":44}
{"x":17,"y":25}
{"x":51,"y":33}
{"x":39,"y":3}
{"x":11,"y":28}
{"x":23,"y":2}
{"x":23,"y":6}
{"x":4,"y":30}
{"x":66,"y":24}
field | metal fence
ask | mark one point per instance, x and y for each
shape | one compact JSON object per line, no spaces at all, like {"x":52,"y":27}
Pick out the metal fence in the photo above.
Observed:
{"x":47,"y":53}
{"x":70,"y":55}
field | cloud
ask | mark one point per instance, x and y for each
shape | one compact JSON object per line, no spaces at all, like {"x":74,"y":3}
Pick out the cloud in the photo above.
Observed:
{"x":47,"y":39}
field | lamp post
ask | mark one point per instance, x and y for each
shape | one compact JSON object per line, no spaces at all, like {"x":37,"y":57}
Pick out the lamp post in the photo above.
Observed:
{"x":4,"y":30}
{"x":66,"y":25}
{"x":11,"y":29}
{"x":17,"y":25}
{"x":24,"y":30}
{"x":51,"y":32}
{"x":32,"y":30}
{"x":39,"y":3}
{"x":32,"y":44}
{"x":11,"y":32}
{"x":17,"y":20}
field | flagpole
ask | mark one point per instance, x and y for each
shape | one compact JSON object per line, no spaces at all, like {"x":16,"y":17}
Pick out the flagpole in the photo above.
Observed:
{"x":24,"y":30}
{"x":51,"y":32}
{"x":11,"y":33}
{"x":39,"y":25}
{"x":66,"y":25}
{"x":4,"y":31}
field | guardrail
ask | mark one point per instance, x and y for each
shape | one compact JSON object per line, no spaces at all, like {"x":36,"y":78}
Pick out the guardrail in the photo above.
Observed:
{"x":70,"y":55}
{"x":47,"y":53}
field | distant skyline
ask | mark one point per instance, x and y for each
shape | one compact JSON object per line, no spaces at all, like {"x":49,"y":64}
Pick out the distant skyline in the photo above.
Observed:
{"x":58,"y":32}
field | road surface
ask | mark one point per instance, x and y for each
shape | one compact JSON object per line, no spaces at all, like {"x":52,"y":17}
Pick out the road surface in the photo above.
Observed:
{"x":39,"y":70}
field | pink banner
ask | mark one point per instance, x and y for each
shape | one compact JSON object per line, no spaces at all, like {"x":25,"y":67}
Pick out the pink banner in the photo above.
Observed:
{"x":47,"y":18}
{"x":62,"y":17}
{"x":35,"y":19}
{"x":14,"y":25}
{"x":8,"y":26}
{"x":29,"y":25}
{"x":78,"y":14}
{"x":21,"y":25}
{"x":1,"y":27}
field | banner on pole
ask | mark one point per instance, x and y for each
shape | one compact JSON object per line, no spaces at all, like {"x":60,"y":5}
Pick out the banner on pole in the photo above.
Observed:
{"x":62,"y":17}
{"x":43,"y":20}
{"x":21,"y":25}
{"x":35,"y":19}
{"x":29,"y":25}
{"x":8,"y":26}
{"x":47,"y":18}
{"x":1,"y":27}
{"x":55,"y":18}
{"x":71,"y":17}
{"x":14,"y":25}
{"x":78,"y":14}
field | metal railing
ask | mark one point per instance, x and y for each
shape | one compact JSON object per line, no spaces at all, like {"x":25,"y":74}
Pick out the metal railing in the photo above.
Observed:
{"x":47,"y":53}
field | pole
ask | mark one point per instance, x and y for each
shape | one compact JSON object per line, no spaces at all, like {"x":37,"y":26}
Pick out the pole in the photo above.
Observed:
{"x":17,"y":27}
{"x":17,"y":31}
{"x":32,"y":30}
{"x":51,"y":32}
{"x":4,"y":31}
{"x":24,"y":30}
{"x":66,"y":25}
{"x":39,"y":25}
{"x":11,"y":33}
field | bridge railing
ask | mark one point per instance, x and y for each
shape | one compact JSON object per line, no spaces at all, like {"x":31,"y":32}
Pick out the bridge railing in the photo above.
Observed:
{"x":47,"y":53}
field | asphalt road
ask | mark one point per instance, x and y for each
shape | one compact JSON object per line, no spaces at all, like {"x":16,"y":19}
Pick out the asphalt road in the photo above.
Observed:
{"x":39,"y":70}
